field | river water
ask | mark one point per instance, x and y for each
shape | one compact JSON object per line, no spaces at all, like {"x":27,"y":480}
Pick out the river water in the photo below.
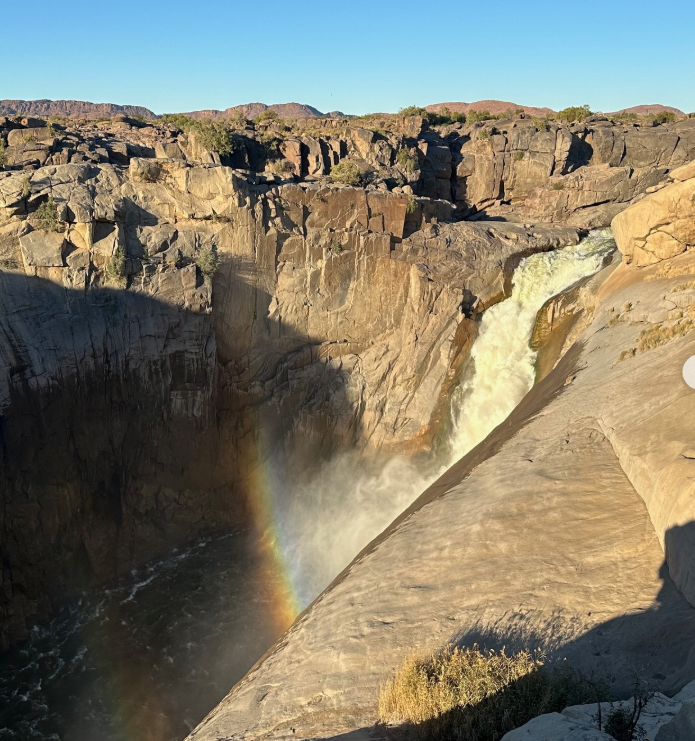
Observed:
{"x":146,"y":658}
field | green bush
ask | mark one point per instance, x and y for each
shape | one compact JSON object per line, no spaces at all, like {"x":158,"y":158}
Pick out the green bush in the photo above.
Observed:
{"x":347,"y":173}
{"x":665,"y":117}
{"x":411,"y":206}
{"x":483,"y":133}
{"x":207,"y":262}
{"x":267,"y":115}
{"x":477,"y":116}
{"x":178,"y":120}
{"x":518,"y":155}
{"x":412,"y":110}
{"x":574,"y":113}
{"x":444,"y":116}
{"x":47,"y":216}
{"x":215,"y":136}
{"x":115,"y":268}
{"x":407,"y":160}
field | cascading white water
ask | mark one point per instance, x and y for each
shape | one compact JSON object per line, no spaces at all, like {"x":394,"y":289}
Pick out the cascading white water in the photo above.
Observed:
{"x":503,"y":361}
{"x":330,"y":519}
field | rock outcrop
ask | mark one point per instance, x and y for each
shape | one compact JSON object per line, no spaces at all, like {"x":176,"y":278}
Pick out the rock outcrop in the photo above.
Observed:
{"x":663,"y":224}
{"x":570,"y":528}
{"x":521,"y":169}
{"x":662,"y":719}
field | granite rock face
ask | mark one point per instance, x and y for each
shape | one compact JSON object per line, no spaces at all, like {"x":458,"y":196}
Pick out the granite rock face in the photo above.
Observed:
{"x":662,"y":719}
{"x":522,"y":169}
{"x":138,"y":383}
{"x":662,"y":225}
{"x":569,"y":528}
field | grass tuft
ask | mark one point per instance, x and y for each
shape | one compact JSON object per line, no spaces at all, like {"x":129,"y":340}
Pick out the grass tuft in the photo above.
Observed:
{"x":474,"y":694}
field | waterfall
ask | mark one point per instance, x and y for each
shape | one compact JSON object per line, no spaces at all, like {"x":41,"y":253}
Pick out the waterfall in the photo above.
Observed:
{"x":343,"y":507}
{"x":503,"y":361}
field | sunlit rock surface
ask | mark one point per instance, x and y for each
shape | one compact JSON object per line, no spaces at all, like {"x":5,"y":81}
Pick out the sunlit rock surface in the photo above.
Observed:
{"x":566,"y":528}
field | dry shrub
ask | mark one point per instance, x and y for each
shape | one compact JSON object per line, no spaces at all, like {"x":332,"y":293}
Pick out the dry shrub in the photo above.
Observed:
{"x":660,"y":334}
{"x":476,"y":694}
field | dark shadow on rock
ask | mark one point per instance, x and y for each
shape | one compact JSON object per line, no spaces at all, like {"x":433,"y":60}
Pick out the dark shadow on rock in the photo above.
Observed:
{"x":656,"y":646}
{"x":129,"y":426}
{"x":124,"y":433}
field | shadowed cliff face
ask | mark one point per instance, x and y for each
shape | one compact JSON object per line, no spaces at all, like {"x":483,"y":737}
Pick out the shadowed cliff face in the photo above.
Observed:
{"x":142,"y":403}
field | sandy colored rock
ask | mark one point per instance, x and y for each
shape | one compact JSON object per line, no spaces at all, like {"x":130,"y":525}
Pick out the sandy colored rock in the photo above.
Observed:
{"x":660,"y":226}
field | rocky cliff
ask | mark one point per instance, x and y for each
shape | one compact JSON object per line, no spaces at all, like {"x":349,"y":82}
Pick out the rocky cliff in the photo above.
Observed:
{"x":163,"y":318}
{"x":570,"y":527}
{"x":521,"y":169}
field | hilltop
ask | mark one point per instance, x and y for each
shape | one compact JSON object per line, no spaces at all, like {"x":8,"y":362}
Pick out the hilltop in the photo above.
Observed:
{"x":71,"y":109}
{"x":494,"y":107}
{"x":649,"y":110}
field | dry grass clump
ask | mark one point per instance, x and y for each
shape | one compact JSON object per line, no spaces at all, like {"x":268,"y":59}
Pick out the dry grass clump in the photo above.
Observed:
{"x":660,"y":334}
{"x":475,"y":694}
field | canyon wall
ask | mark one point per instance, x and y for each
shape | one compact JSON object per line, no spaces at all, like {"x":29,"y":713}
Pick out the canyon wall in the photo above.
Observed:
{"x":169,"y":327}
{"x":570,"y":528}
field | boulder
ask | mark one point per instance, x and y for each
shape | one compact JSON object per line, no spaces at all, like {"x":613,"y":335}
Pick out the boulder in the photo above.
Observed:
{"x":555,"y":727}
{"x":660,"y":226}
{"x":42,"y":249}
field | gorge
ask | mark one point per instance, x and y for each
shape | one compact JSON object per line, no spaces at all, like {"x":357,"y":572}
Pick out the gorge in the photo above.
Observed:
{"x":241,"y":361}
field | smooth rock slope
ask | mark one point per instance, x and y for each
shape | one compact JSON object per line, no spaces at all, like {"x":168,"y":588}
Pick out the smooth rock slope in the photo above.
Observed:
{"x":570,"y":527}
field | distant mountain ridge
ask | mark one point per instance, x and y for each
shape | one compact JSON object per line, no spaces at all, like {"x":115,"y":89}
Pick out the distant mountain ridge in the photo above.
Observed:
{"x":649,"y":110}
{"x":86,"y":110}
{"x":252,"y":110}
{"x":492,"y":106}
{"x":70,"y":109}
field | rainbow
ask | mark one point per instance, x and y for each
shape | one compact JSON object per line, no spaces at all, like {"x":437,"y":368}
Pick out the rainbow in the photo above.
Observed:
{"x":264,"y":492}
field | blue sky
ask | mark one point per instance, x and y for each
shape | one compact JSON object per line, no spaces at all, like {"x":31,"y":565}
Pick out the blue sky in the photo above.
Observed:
{"x":358,"y":56}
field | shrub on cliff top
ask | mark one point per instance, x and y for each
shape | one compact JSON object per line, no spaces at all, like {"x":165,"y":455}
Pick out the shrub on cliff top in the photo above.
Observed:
{"x":412,"y":110}
{"x":347,"y":173}
{"x":665,"y":117}
{"x":476,"y":116}
{"x":215,"y":136}
{"x":574,"y":113}
{"x":47,"y":216}
{"x":267,"y":115}
{"x":471,"y":694}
